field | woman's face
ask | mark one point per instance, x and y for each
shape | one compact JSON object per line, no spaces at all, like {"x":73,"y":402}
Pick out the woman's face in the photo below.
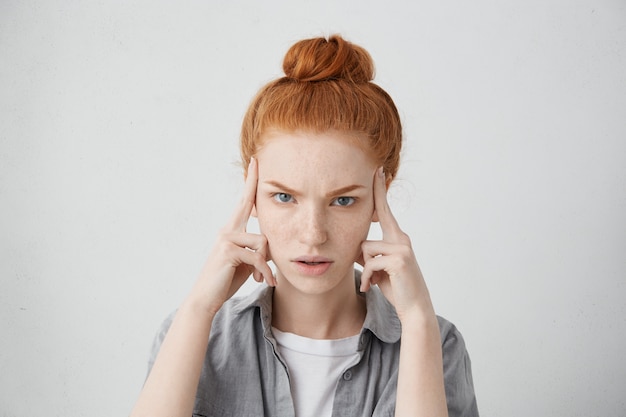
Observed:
{"x":314,"y":204}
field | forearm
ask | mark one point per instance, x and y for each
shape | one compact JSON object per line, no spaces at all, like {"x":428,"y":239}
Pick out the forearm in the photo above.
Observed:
{"x":421,"y":389}
{"x":173,"y":381}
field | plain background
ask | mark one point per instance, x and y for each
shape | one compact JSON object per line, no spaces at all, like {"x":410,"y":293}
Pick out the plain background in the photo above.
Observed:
{"x":118,"y":164}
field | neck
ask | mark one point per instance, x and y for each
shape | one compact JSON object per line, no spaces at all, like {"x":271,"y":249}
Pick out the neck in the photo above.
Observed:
{"x":330,"y":315}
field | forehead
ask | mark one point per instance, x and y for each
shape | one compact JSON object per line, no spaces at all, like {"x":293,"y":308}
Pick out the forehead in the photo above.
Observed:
{"x":314,"y":153}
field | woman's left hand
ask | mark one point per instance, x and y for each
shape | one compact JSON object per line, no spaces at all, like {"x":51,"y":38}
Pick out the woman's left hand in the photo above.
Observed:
{"x":390,"y":263}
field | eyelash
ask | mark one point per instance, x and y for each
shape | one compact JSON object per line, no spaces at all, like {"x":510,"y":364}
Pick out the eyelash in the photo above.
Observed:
{"x":277,"y":197}
{"x":352,"y":201}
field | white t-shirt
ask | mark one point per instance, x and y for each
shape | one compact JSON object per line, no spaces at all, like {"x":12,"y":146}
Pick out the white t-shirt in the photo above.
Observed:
{"x":315,"y":366}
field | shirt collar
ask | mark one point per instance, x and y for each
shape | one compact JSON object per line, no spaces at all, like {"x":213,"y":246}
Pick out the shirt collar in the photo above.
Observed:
{"x":381,"y":318}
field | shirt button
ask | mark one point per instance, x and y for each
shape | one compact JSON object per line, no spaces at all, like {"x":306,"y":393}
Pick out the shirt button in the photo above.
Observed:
{"x":347,"y":376}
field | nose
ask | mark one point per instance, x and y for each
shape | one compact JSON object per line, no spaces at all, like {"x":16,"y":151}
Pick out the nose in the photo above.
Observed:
{"x":312,"y":226}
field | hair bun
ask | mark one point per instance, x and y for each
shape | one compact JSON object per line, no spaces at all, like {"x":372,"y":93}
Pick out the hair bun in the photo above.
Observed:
{"x":321,"y":59}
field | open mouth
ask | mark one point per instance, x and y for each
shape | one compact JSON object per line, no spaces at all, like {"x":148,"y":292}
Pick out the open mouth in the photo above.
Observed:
{"x":313,"y":265}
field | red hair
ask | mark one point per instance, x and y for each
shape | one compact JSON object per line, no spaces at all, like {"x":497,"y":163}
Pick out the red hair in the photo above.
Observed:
{"x":327,"y":86}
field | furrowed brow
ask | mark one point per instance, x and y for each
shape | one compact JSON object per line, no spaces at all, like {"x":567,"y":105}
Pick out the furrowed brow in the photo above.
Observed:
{"x":344,"y":190}
{"x":281,"y":187}
{"x":333,"y":193}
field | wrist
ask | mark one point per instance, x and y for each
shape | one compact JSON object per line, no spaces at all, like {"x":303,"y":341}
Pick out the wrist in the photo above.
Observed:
{"x":200,"y":309}
{"x":418,"y":319}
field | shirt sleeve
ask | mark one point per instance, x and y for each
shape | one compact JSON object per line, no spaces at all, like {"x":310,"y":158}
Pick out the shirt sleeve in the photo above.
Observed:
{"x":457,"y":373}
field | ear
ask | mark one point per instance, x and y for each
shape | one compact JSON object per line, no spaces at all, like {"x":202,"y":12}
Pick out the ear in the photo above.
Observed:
{"x":253,"y":212}
{"x":374,"y":217}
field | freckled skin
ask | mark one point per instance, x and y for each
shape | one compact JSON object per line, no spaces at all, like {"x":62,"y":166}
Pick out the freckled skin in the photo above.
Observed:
{"x":314,"y":222}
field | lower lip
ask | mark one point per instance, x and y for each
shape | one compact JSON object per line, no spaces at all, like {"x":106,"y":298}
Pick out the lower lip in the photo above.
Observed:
{"x":312,"y":269}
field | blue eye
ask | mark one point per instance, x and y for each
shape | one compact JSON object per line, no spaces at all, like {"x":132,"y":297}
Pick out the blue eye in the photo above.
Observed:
{"x":344,"y":201}
{"x":283,"y":197}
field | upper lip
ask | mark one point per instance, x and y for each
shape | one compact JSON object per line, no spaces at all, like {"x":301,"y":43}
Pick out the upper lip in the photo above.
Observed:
{"x":311,"y":259}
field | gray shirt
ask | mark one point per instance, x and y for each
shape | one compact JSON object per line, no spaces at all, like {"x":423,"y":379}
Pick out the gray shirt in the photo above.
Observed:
{"x":244,"y":375}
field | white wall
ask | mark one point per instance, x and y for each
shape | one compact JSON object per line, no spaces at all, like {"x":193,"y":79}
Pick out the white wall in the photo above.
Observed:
{"x":118,"y":129}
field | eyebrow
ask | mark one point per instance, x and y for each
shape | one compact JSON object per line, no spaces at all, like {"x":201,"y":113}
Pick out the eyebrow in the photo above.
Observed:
{"x":338,"y":191}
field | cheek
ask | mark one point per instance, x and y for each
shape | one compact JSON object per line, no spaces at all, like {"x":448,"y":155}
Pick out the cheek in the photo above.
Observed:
{"x":279,"y":239}
{"x":352,"y":230}
{"x":271,"y":223}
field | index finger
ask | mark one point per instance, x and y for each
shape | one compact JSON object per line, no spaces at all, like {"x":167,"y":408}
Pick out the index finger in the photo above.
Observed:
{"x":388,"y":223}
{"x":241,"y":215}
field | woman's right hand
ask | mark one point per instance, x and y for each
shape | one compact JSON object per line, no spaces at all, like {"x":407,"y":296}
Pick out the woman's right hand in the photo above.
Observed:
{"x":235,"y":255}
{"x":173,"y":381}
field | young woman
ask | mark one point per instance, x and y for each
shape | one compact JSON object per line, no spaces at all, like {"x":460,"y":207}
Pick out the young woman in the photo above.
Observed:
{"x":321,"y":146}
